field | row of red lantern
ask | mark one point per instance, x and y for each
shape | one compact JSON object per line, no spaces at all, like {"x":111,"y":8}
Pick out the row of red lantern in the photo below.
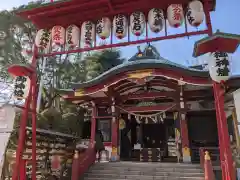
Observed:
{"x":156,"y":20}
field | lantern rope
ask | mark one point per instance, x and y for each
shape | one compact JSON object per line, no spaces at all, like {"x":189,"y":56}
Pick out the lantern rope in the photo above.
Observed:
{"x":146,"y":116}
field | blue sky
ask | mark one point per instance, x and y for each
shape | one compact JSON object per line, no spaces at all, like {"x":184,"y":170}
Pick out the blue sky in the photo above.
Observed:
{"x":180,"y":50}
{"x":225,"y":18}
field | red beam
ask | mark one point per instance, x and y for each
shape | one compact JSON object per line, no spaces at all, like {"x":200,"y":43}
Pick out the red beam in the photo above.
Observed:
{"x":150,"y":95}
{"x":148,"y":108}
{"x":110,"y":6}
{"x":70,"y":8}
{"x":122,"y":84}
{"x":81,"y":15}
{"x":84,"y":14}
{"x":126,"y":85}
{"x":144,"y":95}
{"x":125,"y":43}
{"x":167,"y":94}
{"x":127,"y":88}
{"x":167,"y":85}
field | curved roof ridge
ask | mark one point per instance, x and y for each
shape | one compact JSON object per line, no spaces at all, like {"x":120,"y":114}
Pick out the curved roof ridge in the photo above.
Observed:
{"x":182,"y":66}
{"x":141,"y":62}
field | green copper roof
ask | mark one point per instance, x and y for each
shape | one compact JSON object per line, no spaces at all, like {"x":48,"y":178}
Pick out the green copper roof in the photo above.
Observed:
{"x":149,"y":58}
{"x":139,"y":65}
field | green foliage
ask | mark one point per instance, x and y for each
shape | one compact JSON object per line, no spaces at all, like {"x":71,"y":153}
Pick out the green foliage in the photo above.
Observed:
{"x":10,"y":47}
{"x":99,"y":62}
{"x":60,"y":71}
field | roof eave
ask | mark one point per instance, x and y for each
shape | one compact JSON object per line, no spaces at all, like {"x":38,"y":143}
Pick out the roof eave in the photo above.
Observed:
{"x":140,"y":65}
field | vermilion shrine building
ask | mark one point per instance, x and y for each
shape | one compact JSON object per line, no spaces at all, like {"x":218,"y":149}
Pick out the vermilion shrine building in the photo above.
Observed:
{"x":152,"y":100}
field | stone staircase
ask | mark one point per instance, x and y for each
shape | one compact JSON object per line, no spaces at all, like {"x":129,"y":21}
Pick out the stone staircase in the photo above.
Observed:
{"x":144,"y":171}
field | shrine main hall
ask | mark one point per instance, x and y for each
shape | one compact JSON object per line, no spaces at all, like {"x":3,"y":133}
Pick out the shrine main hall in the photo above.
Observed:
{"x":147,"y":105}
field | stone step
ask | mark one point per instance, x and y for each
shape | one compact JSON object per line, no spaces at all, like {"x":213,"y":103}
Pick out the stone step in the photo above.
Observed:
{"x":130,"y":176}
{"x":143,"y":178}
{"x":126,"y":169}
{"x":144,"y":171}
{"x":147,"y":167}
{"x":130,"y":171}
{"x":146,"y":164}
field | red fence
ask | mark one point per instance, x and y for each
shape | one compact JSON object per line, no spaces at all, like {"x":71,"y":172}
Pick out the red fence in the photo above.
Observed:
{"x":82,"y":161}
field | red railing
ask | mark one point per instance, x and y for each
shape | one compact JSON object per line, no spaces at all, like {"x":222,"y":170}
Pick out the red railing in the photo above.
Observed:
{"x":82,"y":161}
{"x":206,"y":164}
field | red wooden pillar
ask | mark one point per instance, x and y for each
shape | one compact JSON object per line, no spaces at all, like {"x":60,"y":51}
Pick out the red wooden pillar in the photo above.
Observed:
{"x":184,"y":128}
{"x":22,"y":130}
{"x":114,"y":155}
{"x":22,"y":136}
{"x":220,"y":139}
{"x":224,"y":141}
{"x":93,"y":121}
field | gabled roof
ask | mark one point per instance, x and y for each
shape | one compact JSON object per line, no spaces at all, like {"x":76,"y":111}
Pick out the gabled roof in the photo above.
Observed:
{"x":142,"y":64}
{"x":149,"y":58}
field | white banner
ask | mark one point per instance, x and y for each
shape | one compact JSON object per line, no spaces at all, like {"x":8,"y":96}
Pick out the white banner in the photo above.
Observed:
{"x":7,"y":116}
{"x":236,"y":96}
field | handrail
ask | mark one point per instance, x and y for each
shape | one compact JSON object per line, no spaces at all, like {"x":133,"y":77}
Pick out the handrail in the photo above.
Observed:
{"x":82,"y":161}
{"x":206,"y":164}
